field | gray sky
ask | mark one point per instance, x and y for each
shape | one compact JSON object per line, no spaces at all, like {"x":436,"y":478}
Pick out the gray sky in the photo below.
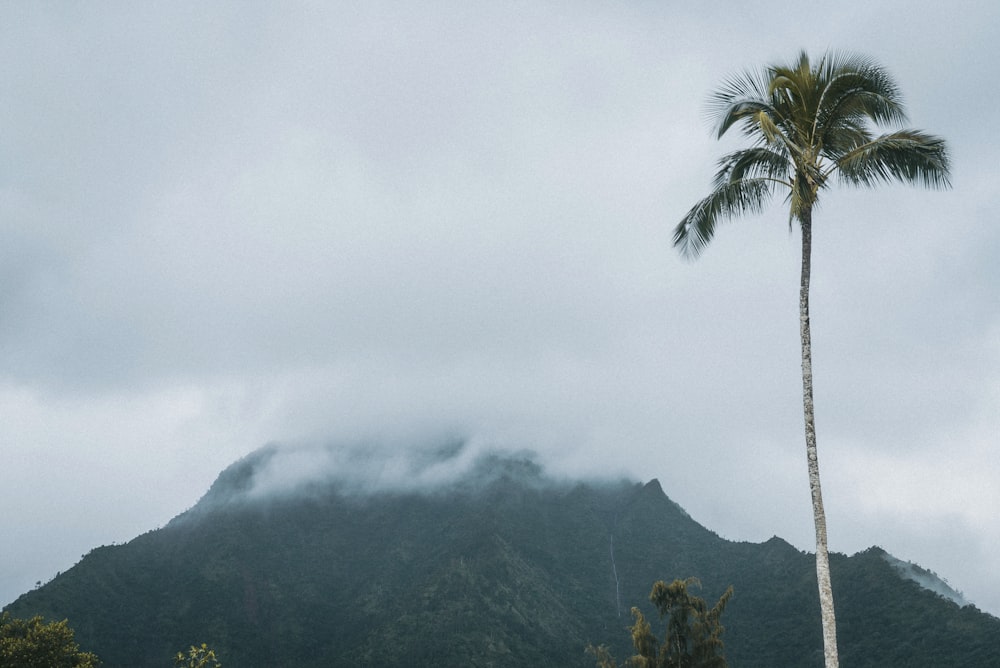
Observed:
{"x":232,"y":224}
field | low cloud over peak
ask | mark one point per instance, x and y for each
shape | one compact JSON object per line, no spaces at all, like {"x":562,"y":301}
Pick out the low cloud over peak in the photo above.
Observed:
{"x":281,"y":471}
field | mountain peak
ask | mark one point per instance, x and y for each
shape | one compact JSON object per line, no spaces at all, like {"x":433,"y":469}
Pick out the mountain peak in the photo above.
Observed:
{"x":654,"y":486}
{"x":462,"y":556}
{"x":279,"y":471}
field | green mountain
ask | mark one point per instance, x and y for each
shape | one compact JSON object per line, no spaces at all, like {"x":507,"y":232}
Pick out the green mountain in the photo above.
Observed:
{"x":500,"y":566}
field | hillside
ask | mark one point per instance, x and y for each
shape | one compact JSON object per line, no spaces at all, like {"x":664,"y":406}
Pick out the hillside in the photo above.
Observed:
{"x":498,"y":567}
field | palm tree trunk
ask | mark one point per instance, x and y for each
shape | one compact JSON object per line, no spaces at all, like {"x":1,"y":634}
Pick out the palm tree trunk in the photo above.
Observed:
{"x":819,"y":516}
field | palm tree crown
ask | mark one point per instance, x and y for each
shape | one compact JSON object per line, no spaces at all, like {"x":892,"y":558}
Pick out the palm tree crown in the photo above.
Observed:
{"x":806,"y":123}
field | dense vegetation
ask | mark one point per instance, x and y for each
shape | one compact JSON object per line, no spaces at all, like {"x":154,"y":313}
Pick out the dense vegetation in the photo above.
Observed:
{"x":35,"y":643}
{"x":504,"y":569}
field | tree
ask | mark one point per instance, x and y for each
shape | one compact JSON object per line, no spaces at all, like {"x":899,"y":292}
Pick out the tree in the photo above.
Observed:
{"x":197,"y":657}
{"x":807,"y":123}
{"x":693,"y":637}
{"x":30,"y":643}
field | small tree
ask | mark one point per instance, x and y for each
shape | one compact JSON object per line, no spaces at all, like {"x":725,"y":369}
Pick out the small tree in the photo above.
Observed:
{"x":197,"y":657}
{"x":31,"y":643}
{"x":693,"y":636}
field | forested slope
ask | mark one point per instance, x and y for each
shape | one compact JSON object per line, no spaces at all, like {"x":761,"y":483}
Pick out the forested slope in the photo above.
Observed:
{"x":501,"y":568}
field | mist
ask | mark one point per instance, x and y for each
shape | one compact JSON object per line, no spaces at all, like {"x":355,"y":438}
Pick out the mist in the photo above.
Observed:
{"x":280,"y":472}
{"x":926,"y":579}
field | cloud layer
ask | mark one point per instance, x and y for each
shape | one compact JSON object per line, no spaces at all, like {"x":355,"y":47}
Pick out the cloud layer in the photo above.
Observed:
{"x":225,"y":226}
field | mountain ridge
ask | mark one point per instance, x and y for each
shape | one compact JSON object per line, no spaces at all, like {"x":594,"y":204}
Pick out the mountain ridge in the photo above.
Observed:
{"x":474,"y":560}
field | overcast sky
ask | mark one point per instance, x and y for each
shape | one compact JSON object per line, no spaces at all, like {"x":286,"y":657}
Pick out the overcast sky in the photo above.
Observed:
{"x":229,"y":224}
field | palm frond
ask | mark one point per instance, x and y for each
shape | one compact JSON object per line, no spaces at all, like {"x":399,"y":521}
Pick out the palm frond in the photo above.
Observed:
{"x":697,"y":228}
{"x":849,"y":135}
{"x":853,"y":97}
{"x":758,"y":162}
{"x":738,"y":99}
{"x":795,"y":95}
{"x":793,"y":77}
{"x":910,"y":156}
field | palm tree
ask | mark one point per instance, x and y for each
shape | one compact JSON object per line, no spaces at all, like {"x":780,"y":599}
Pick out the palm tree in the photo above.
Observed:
{"x":806,"y":123}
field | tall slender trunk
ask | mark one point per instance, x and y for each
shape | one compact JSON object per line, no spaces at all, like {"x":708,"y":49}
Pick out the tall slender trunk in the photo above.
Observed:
{"x":819,"y":516}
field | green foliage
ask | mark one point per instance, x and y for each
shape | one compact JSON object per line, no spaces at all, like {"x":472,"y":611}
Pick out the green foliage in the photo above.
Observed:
{"x":30,"y":643}
{"x":694,"y":632}
{"x":807,"y":122}
{"x":197,"y":657}
{"x":693,"y":637}
{"x":603,"y":655}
